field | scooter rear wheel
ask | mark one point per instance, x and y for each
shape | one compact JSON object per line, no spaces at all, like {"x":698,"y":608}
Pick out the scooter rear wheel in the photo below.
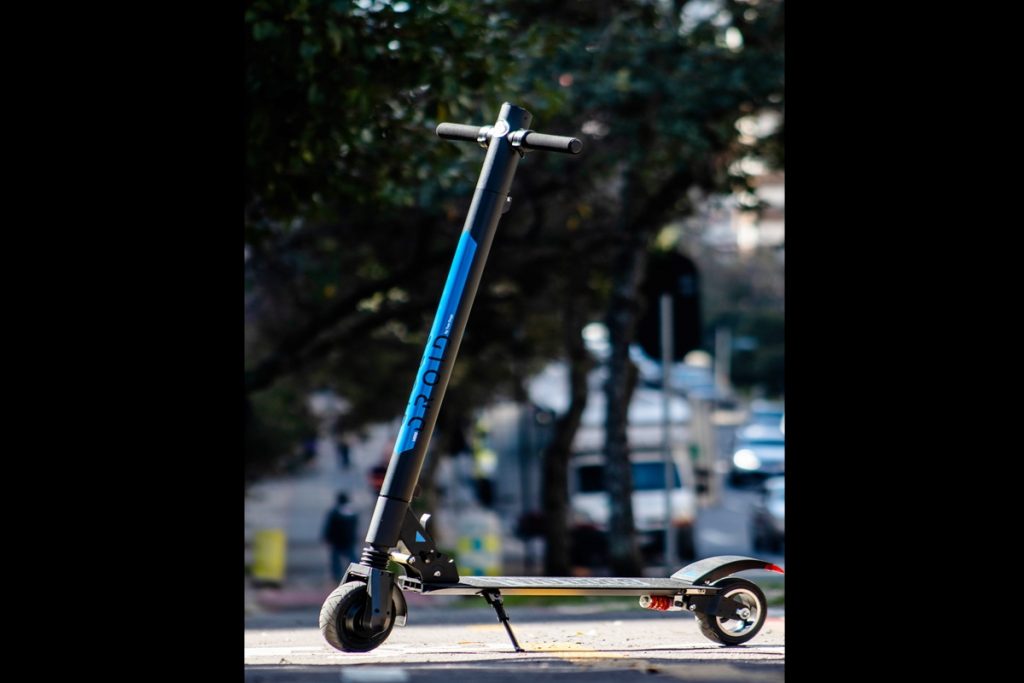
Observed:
{"x":736,"y":631}
{"x":341,"y":619}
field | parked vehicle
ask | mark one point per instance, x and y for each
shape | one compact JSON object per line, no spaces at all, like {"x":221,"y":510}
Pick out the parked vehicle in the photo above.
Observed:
{"x":760,"y":447}
{"x":768,"y":517}
{"x":767,"y":413}
{"x":589,"y":502}
{"x":760,"y":453}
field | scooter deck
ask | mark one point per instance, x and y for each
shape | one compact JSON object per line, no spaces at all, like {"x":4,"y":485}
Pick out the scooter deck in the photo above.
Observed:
{"x":542,"y":585}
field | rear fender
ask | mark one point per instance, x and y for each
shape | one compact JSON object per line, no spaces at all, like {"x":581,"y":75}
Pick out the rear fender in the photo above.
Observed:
{"x":707,"y":571}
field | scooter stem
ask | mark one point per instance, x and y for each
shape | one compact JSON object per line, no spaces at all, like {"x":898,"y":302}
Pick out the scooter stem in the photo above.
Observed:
{"x":506,"y":142}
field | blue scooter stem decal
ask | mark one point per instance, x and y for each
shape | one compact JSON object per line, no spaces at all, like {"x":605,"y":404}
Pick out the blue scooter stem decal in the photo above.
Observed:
{"x":437,"y":345}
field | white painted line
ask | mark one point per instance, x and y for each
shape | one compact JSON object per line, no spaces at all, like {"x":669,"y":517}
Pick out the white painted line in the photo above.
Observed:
{"x":375,"y":675}
{"x":278,"y":651}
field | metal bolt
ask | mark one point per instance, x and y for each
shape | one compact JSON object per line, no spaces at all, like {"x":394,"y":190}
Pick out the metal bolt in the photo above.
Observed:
{"x":692,"y":607}
{"x":427,"y":560}
{"x":437,"y":573}
{"x":743,"y":613}
{"x":412,"y":560}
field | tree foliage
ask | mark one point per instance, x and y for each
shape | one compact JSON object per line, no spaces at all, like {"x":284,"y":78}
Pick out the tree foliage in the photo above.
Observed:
{"x":353,"y":206}
{"x":660,"y":92}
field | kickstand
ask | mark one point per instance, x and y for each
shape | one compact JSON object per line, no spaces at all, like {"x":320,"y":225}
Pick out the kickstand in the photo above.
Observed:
{"x":493,"y":599}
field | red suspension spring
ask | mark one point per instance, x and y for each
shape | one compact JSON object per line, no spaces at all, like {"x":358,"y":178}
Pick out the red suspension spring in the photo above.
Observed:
{"x":660,"y":603}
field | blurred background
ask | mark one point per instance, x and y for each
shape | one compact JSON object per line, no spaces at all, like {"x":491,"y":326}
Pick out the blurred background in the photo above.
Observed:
{"x":353,"y":208}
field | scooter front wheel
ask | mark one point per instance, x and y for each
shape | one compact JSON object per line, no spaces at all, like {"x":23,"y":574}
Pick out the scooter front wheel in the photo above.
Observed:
{"x":736,"y":631}
{"x":341,"y":619}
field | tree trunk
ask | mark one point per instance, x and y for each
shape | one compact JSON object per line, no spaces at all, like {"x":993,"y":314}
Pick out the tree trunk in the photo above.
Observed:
{"x":638,"y":223}
{"x":624,"y":555}
{"x":555,"y":486}
{"x":623,"y":310}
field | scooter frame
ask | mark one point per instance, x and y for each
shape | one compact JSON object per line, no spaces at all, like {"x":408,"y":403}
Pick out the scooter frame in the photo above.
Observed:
{"x":359,"y":615}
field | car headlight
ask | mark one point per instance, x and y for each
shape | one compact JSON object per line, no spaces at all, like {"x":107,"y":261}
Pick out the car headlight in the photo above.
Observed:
{"x":746,"y":460}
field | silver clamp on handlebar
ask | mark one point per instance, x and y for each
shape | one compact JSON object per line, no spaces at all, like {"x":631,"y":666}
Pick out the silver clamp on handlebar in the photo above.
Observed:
{"x":517,"y":138}
{"x":483,"y":136}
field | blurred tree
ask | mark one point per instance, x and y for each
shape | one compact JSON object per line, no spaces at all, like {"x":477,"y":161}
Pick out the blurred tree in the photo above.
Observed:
{"x":343,"y":179}
{"x":272,"y":444}
{"x":353,"y":207}
{"x":657,"y":88}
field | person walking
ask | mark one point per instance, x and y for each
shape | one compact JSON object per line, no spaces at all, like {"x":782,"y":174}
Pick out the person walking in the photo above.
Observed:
{"x":339,"y":533}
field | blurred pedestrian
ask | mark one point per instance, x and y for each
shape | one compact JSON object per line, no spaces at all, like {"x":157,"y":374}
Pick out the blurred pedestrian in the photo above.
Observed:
{"x":339,"y":533}
{"x":344,"y":454}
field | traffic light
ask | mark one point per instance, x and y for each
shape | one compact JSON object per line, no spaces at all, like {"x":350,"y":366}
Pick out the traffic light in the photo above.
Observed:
{"x":676,"y":275}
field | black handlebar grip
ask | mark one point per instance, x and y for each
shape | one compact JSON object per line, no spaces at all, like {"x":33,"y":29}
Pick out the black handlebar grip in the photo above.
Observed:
{"x":531,"y":140}
{"x":458,"y":131}
{"x":552,"y":143}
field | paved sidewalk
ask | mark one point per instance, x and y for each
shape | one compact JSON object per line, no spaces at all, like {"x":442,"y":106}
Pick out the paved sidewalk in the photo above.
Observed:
{"x":452,"y":645}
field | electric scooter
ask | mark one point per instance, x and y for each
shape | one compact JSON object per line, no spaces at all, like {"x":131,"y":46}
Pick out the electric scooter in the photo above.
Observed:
{"x":369,"y":602}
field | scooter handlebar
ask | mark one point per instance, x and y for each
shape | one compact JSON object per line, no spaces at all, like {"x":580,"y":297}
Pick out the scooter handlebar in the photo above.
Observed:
{"x":552,"y":143}
{"x":458,"y":131}
{"x":527,"y":139}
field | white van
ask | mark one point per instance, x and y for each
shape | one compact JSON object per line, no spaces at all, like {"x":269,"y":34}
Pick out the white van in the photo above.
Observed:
{"x":588,"y":496}
{"x":589,"y":503}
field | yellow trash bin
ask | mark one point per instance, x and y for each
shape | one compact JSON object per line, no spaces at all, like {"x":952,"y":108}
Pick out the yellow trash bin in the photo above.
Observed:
{"x":268,"y":556}
{"x":478,"y":548}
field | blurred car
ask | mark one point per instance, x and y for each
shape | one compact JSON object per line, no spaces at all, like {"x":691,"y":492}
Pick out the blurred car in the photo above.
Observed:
{"x":589,"y":503}
{"x":768,"y":517}
{"x":760,"y":453}
{"x":767,"y":413}
{"x":686,"y":379}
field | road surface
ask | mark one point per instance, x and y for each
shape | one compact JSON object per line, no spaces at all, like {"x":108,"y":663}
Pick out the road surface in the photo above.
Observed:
{"x":451,"y":643}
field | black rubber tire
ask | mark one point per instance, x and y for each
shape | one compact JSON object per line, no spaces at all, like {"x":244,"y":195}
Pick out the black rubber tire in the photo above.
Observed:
{"x":341,"y":615}
{"x":712,"y":627}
